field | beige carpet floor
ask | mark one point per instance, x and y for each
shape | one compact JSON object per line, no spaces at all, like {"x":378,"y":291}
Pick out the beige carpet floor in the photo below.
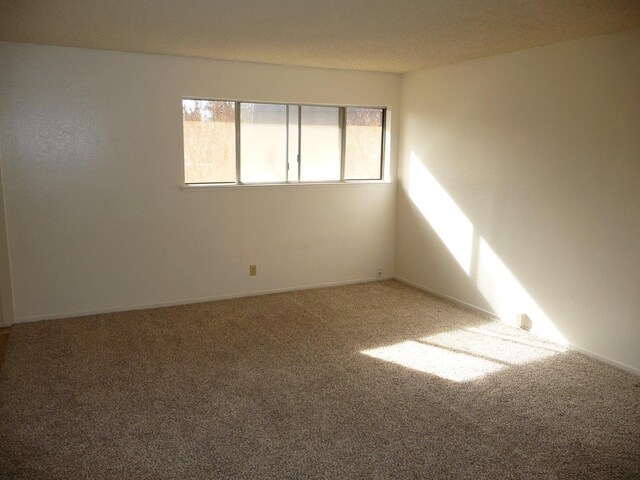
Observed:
{"x":375,"y":380}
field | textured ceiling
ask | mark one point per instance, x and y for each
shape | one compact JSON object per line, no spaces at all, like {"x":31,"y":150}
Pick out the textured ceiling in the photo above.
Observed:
{"x":380,"y":35}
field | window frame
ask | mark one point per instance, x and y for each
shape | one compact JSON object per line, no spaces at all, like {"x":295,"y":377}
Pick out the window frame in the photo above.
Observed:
{"x":342,"y":109}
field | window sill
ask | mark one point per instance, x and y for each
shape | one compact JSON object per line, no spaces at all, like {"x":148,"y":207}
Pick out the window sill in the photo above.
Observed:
{"x":195,"y":187}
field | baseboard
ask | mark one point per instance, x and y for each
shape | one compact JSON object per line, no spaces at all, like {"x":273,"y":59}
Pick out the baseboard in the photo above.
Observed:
{"x":174,"y":303}
{"x":584,"y":351}
{"x":607,"y":360}
{"x":35,"y":318}
{"x":446,"y":297}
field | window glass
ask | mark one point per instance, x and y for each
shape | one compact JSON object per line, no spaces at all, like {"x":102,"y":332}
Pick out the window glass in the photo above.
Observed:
{"x":320,"y":144}
{"x":293,"y":143}
{"x":363,"y":152}
{"x":209,"y":141}
{"x":263,"y":143}
{"x":280,"y":142}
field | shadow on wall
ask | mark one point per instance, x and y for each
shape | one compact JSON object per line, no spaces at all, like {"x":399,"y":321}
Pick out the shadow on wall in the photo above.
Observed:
{"x":488,"y":273}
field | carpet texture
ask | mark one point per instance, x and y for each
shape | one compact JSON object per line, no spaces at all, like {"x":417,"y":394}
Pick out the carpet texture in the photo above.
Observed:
{"x":375,"y":380}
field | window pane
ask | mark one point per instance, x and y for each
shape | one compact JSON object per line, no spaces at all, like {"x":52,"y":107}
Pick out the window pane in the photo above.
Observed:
{"x":293,"y":143}
{"x":363,"y":153}
{"x":320,"y":144}
{"x":209,"y":141}
{"x":263,"y":143}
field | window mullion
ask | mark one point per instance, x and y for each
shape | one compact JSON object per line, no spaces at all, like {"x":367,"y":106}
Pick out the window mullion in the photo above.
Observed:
{"x":343,"y":140}
{"x":299,"y":143}
{"x":287,"y":147}
{"x":237,"y":122}
{"x":382,"y":146}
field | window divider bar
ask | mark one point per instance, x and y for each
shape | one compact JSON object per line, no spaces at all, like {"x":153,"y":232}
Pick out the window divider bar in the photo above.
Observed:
{"x":299,"y":143}
{"x":342,"y":118}
{"x":383,"y":143}
{"x":286,"y":157}
{"x":237,"y":122}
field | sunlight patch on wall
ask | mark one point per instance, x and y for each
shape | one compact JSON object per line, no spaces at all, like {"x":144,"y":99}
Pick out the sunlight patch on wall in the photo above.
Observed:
{"x":442,"y":213}
{"x":491,"y":276}
{"x":506,"y":294}
{"x":441,"y":362}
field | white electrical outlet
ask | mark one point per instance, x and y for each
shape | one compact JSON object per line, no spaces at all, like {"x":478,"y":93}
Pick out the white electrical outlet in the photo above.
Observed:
{"x":379,"y":273}
{"x":524,"y":322}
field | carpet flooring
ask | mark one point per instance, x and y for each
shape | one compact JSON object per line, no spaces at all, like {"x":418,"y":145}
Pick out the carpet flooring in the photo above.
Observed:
{"x":376,"y":380}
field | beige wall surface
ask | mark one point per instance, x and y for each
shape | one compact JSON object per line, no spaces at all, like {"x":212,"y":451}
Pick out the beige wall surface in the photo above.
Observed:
{"x":92,"y":159}
{"x":519,"y":189}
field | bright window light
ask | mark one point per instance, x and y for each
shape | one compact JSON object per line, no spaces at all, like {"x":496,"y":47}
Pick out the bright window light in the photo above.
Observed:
{"x":263,"y":143}
{"x":320,"y":144}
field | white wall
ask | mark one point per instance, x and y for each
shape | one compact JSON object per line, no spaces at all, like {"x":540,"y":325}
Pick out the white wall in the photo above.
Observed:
{"x":520,"y":188}
{"x":92,"y":158}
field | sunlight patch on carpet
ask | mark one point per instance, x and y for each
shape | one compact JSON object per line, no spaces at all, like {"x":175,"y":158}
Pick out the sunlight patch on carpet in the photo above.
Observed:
{"x":504,"y":350}
{"x":447,"y":364}
{"x":466,"y":354}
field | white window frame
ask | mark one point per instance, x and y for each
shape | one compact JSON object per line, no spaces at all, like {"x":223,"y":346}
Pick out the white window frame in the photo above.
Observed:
{"x":343,"y":139}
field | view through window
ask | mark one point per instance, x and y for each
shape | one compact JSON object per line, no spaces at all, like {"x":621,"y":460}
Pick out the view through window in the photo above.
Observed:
{"x":209,"y":141}
{"x":254,"y":143}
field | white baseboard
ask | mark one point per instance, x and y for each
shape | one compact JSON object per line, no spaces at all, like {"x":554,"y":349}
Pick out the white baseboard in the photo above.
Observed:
{"x":604,"y":359}
{"x":446,"y":297}
{"x":589,"y":353}
{"x":213,"y":298}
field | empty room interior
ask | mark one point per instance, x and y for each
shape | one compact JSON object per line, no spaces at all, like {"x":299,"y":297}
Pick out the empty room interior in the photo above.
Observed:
{"x":319,"y":239}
